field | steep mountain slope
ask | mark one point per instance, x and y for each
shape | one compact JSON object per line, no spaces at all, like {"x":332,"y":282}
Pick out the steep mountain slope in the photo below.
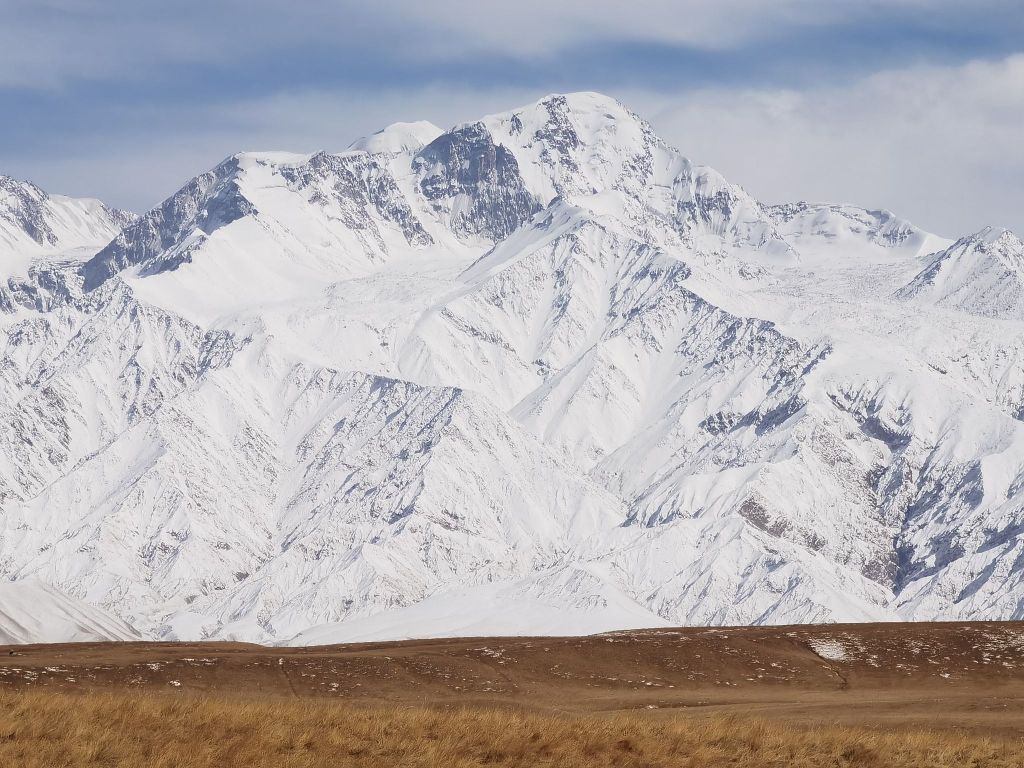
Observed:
{"x":35,"y":613}
{"x":540,"y":361}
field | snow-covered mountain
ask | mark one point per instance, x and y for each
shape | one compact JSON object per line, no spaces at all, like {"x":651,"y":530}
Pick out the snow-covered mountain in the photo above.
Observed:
{"x":536,"y":373}
{"x":35,"y":224}
{"x":982,"y":274}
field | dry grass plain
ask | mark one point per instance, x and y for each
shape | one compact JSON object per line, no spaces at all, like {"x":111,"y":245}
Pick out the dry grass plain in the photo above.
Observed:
{"x":47,"y":730}
{"x":852,"y":695}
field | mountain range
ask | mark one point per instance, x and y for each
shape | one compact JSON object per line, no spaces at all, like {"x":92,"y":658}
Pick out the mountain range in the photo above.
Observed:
{"x":536,"y":374}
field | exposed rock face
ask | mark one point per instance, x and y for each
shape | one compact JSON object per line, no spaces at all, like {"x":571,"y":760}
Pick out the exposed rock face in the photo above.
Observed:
{"x":474,"y":183}
{"x":166,"y":236}
{"x":356,"y":183}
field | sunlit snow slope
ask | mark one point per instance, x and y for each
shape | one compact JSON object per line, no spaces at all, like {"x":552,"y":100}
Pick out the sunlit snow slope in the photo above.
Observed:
{"x":36,"y":613}
{"x":538,"y":373}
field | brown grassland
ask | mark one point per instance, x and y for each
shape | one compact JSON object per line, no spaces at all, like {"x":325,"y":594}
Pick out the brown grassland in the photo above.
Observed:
{"x":883,"y":695}
{"x":42,"y":729}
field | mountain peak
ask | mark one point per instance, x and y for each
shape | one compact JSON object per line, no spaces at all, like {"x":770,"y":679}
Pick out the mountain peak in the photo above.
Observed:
{"x":581,"y":103}
{"x":36,"y":224}
{"x":398,"y":137}
{"x":11,"y":185}
{"x":839,"y":223}
{"x":996,"y":235}
{"x":981,"y":273}
{"x":585,"y":115}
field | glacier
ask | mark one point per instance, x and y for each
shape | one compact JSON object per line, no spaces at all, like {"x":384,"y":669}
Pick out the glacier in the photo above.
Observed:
{"x":536,"y":374}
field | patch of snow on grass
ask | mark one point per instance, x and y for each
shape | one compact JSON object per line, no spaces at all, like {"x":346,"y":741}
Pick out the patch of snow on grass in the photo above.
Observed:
{"x":829,"y":649}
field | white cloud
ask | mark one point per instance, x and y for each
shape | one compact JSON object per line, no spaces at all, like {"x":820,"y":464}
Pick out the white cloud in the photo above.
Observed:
{"x":48,"y":43}
{"x":939,"y":145}
{"x":543,"y":26}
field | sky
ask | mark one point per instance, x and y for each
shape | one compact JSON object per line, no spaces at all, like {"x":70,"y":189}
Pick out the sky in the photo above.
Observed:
{"x":916,"y":106}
